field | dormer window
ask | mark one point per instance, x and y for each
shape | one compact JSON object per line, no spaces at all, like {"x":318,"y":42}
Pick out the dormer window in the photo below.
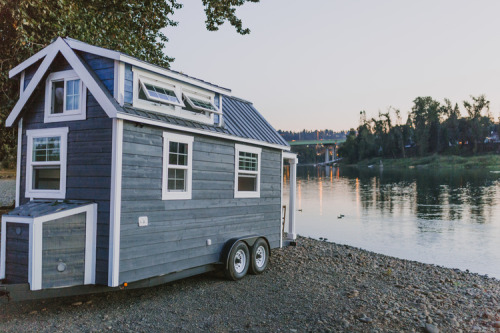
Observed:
{"x":65,"y":97}
{"x":162,"y":93}
{"x":200,"y":103}
{"x":168,"y":96}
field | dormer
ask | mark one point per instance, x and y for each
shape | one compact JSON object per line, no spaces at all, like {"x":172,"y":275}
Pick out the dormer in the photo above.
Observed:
{"x":162,"y":94}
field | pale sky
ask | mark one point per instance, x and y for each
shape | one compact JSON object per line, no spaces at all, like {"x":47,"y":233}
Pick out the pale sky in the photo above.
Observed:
{"x":316,"y":64}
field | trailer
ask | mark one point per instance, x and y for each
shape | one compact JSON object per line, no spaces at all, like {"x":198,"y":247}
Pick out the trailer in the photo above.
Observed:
{"x":131,"y":175}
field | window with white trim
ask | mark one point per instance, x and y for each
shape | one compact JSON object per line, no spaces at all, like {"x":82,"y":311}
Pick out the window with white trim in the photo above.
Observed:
{"x":199,"y":102}
{"x":65,"y":97}
{"x":160,"y":92}
{"x":177,"y":166}
{"x":247,"y":171}
{"x":46,"y":163}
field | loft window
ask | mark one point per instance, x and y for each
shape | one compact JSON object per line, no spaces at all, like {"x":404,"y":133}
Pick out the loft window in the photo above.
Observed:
{"x":247,"y":172}
{"x":46,"y":163}
{"x":65,"y":97}
{"x":199,"y":103}
{"x":164,"y":93}
{"x":177,"y":166}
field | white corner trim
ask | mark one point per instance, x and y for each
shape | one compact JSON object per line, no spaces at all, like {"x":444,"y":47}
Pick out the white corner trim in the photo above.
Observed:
{"x":62,"y":132}
{"x":115,"y":204}
{"x":30,"y":61}
{"x":80,"y":114}
{"x":248,"y":149}
{"x":119,"y":82}
{"x":18,"y":163}
{"x":186,"y":195}
{"x":281,"y":201}
{"x":197,"y":131}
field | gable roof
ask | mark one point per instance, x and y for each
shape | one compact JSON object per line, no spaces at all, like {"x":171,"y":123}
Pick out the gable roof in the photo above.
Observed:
{"x":242,"y":121}
{"x":93,"y":84}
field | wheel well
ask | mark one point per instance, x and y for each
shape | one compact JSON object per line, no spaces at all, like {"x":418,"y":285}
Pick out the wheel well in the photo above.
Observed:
{"x":248,"y":240}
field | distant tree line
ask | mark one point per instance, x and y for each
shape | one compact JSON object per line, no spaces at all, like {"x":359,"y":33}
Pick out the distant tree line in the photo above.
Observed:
{"x":431,"y":127}
{"x":313,"y":135}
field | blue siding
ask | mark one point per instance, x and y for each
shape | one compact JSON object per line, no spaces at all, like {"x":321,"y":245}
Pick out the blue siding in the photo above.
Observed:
{"x":175,"y":238}
{"x":129,"y":84}
{"x":29,"y":73}
{"x":103,"y":67}
{"x":88,"y":160}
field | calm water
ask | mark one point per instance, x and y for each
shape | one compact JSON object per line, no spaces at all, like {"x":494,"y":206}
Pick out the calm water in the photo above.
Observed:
{"x":444,"y":217}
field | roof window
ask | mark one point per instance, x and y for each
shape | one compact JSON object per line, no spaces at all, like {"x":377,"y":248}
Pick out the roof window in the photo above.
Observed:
{"x":199,"y":103}
{"x":161,"y":94}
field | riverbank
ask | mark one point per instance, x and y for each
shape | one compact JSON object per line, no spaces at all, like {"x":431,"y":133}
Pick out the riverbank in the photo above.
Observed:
{"x":7,"y":173}
{"x":488,"y":161}
{"x":316,"y":286}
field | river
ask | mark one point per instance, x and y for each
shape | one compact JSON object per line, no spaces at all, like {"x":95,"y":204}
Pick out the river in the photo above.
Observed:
{"x":439,"y":216}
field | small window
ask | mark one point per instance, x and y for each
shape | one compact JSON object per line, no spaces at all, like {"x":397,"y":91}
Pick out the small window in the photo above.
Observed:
{"x":247,"y":172}
{"x":156,"y":93}
{"x":46,"y":163}
{"x":200,"y":104}
{"x":177,"y":166}
{"x":65,"y":97}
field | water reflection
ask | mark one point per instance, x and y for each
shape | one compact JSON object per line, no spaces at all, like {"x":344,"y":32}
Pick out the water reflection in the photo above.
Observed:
{"x":440,"y":216}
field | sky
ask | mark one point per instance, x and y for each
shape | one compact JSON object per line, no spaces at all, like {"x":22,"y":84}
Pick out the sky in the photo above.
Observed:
{"x":316,"y":64}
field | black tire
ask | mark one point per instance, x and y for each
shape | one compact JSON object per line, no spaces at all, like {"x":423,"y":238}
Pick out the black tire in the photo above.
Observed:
{"x":260,"y":257}
{"x":238,"y":262}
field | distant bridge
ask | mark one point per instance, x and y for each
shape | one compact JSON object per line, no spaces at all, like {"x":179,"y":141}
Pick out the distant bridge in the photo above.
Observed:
{"x":323,"y":147}
{"x":315,"y":142}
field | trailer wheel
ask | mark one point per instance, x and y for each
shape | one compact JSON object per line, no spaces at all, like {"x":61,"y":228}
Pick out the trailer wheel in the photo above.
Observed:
{"x":260,"y":256}
{"x":239,"y":260}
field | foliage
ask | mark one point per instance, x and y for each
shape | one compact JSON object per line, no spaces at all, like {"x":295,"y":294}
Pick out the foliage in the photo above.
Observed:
{"x":312,"y":135}
{"x":432,"y":127}
{"x":133,"y":27}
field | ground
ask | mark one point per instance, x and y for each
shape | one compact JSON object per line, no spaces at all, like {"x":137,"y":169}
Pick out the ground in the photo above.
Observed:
{"x":313,"y":287}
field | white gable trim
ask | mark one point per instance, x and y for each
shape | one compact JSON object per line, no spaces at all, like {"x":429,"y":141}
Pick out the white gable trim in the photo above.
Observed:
{"x":30,"y":61}
{"x":115,"y":55}
{"x":103,"y":97}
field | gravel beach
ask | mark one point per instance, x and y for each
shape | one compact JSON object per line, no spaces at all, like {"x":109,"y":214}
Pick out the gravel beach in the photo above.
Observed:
{"x":313,"y":287}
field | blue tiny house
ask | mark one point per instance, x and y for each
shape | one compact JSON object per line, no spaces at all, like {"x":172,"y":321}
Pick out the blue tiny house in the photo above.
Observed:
{"x":128,"y":172}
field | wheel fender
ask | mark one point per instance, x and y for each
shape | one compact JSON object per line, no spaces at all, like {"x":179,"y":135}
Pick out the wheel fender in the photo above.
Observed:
{"x":229,"y":245}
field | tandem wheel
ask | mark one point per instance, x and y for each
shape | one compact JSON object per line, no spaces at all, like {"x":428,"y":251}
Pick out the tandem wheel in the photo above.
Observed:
{"x":260,"y":257}
{"x":239,"y":260}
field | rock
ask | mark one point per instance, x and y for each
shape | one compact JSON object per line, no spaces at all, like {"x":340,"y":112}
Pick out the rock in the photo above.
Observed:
{"x":496,"y":324}
{"x":429,"y":328}
{"x":77,"y":303}
{"x":33,"y":312}
{"x":365,"y":319}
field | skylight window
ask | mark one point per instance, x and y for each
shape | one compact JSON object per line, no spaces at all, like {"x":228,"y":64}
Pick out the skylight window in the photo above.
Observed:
{"x":200,"y":104}
{"x":159,"y":94}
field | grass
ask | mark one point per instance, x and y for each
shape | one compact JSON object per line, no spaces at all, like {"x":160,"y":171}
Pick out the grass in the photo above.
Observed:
{"x":7,"y":173}
{"x":486,"y":161}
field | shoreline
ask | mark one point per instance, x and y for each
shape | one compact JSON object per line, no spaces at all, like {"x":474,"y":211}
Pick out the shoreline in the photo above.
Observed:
{"x":489,"y":161}
{"x":315,"y":286}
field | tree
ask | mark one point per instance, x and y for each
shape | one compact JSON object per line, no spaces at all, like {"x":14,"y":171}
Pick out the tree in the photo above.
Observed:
{"x":426,"y":114}
{"x":478,"y":124}
{"x":131,"y":26}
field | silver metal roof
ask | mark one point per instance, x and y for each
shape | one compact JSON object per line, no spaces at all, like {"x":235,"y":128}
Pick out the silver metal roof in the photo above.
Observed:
{"x":240,"y":119}
{"x":39,"y":208}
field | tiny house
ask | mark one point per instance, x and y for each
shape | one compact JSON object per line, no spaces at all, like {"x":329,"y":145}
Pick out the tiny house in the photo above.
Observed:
{"x":129,"y":174}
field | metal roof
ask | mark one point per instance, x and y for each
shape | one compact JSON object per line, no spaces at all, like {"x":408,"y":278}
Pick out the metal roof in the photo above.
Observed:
{"x":39,"y":208}
{"x":240,"y":119}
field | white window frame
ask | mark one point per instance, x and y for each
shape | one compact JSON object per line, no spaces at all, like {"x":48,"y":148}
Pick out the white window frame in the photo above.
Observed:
{"x":31,"y":193}
{"x":181,"y":195}
{"x":187,"y":94}
{"x":80,"y":113}
{"x":173,"y":109}
{"x":172,"y":87}
{"x":247,"y":149}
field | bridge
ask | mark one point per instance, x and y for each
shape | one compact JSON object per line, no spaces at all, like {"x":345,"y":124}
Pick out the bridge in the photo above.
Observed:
{"x":327,"y":147}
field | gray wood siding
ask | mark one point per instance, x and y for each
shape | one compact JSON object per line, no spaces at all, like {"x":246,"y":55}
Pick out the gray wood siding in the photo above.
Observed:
{"x":64,"y":241}
{"x":17,"y":253}
{"x":176,"y":236}
{"x":88,"y":160}
{"x":129,"y":84}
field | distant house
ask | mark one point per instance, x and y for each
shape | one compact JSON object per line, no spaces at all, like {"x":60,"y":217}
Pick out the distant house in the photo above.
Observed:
{"x":127,"y":172}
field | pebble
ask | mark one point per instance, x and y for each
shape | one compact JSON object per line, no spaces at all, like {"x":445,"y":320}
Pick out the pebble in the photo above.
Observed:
{"x":429,"y":328}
